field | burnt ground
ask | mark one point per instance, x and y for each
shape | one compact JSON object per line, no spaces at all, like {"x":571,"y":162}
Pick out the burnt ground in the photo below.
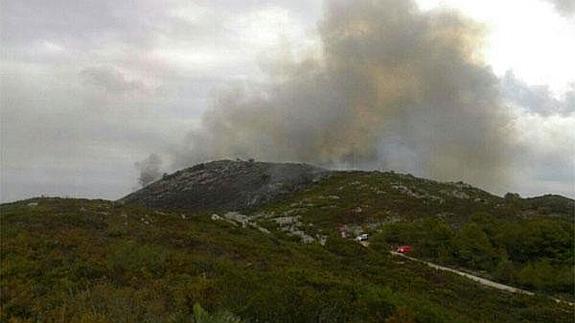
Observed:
{"x":225,"y":185}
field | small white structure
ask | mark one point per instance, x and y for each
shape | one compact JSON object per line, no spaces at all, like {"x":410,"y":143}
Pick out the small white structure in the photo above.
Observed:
{"x":362,"y":237}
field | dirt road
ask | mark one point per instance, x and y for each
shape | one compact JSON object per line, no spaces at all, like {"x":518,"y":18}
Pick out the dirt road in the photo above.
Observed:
{"x":480,"y":280}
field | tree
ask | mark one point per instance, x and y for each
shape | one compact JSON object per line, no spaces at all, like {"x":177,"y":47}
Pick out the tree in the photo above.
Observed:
{"x":473,"y":248}
{"x":435,"y":238}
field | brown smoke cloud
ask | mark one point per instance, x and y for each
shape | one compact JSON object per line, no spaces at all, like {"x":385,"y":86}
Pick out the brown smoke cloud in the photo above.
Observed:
{"x":394,"y":88}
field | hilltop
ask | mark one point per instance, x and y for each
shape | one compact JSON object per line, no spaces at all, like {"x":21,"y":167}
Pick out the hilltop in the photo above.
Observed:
{"x":225,"y":185}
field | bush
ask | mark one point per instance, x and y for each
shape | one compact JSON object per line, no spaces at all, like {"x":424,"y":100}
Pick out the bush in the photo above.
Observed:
{"x":202,"y":316}
{"x":137,"y":259}
{"x":472,"y":248}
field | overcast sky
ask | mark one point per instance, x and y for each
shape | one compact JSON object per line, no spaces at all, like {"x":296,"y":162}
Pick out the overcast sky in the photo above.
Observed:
{"x":88,"y":88}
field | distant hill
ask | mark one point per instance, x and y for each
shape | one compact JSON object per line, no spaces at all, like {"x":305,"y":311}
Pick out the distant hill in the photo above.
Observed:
{"x":243,"y":185}
{"x":225,"y":185}
{"x":551,"y":204}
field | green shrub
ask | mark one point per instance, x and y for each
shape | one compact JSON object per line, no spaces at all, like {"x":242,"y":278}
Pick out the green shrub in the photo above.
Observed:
{"x":133,"y":258}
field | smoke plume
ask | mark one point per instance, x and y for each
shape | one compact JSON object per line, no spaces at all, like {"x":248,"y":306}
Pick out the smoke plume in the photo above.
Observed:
{"x":150,"y":169}
{"x":393,"y":88}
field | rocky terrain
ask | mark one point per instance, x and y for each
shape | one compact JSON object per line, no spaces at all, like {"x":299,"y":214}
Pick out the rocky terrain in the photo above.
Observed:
{"x":309,"y":203}
{"x":225,"y":185}
{"x":348,"y":197}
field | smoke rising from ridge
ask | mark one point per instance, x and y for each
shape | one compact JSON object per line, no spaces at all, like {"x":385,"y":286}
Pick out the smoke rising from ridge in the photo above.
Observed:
{"x":150,"y":169}
{"x":394,"y":88}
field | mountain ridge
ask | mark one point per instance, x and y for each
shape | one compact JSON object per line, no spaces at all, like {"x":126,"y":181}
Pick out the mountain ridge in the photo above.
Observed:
{"x":242,"y":185}
{"x":225,"y":185}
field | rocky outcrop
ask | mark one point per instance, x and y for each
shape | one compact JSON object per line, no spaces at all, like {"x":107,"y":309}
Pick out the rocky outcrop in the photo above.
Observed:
{"x":225,"y":185}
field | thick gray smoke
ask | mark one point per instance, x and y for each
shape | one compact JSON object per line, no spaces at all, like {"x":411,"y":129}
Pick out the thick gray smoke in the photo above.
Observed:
{"x":150,"y":169}
{"x":395,"y":88}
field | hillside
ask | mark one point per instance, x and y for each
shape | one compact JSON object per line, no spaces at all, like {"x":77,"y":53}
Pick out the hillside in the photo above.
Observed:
{"x":246,"y":185}
{"x":225,"y":185}
{"x":151,"y":257}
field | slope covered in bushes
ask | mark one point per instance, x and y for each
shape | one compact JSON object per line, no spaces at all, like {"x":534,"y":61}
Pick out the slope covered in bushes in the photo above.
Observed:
{"x":73,"y":260}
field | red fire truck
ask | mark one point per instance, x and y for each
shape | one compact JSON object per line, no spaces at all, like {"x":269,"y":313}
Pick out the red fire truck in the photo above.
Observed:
{"x":404,"y":249}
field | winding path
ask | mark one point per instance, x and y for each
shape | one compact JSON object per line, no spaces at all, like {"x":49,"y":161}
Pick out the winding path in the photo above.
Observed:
{"x":482,"y":281}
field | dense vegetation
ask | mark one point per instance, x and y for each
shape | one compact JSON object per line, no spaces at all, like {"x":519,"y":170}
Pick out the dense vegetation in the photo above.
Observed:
{"x":527,"y":243}
{"x":535,"y":254}
{"x":80,"y":260}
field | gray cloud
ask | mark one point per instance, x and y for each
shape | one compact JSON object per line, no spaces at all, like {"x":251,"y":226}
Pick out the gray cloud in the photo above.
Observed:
{"x":60,"y":137}
{"x":110,"y":79}
{"x":89,"y":87}
{"x":536,"y":99}
{"x":565,"y":7}
{"x":544,"y":151}
{"x":81,"y":23}
{"x":543,"y":142}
